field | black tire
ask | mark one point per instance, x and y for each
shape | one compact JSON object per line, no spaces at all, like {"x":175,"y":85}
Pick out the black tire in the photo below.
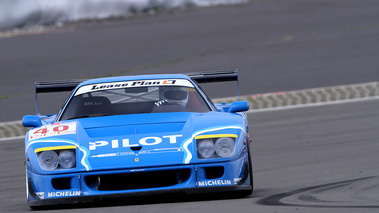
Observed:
{"x":250,"y":167}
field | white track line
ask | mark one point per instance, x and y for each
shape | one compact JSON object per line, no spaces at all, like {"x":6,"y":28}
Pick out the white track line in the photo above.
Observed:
{"x":12,"y":138}
{"x":313,"y":104}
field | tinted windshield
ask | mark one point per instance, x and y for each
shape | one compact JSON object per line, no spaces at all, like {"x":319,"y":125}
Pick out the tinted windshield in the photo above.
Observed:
{"x":129,"y":98}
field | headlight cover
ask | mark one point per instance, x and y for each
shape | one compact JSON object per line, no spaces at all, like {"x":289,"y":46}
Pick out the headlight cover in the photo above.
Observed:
{"x":67,"y":159}
{"x":215,"y":146}
{"x":224,"y":147}
{"x":51,"y":158}
{"x":206,"y":148}
{"x":48,"y":160}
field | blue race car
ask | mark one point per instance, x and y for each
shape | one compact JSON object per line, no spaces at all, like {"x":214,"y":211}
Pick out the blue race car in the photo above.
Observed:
{"x":142,"y":135}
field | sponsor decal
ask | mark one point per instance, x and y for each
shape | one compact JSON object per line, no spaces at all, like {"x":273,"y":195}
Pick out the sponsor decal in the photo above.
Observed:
{"x":214,"y":183}
{"x":146,"y":141}
{"x":153,"y":151}
{"x":40,"y":195}
{"x":137,"y":170}
{"x":63,"y":194}
{"x":160,"y":103}
{"x":130,"y":84}
{"x":236,"y":180}
{"x":53,"y":130}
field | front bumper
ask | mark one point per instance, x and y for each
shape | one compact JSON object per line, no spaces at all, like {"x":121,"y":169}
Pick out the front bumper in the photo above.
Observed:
{"x":93,"y":186}
{"x":119,"y":197}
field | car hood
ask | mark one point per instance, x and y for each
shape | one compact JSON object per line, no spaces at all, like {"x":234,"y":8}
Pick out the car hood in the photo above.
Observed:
{"x":146,"y":140}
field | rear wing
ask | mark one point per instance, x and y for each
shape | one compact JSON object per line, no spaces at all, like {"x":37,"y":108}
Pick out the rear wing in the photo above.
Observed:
{"x":216,"y":76}
{"x":54,"y":86}
{"x":200,"y":77}
{"x":57,"y":86}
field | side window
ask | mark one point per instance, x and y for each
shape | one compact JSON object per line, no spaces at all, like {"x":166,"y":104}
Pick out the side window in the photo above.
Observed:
{"x":206,"y":96}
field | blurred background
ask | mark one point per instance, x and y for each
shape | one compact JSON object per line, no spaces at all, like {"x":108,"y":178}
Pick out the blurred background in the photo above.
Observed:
{"x":276,"y":45}
{"x":306,"y":159}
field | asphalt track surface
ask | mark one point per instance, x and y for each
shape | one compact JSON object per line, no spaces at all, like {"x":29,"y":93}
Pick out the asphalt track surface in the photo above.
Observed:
{"x":278,"y":45}
{"x":305,"y":160}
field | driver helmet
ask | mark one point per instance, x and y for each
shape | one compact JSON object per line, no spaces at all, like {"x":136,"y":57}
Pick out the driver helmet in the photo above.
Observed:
{"x":175,"y":95}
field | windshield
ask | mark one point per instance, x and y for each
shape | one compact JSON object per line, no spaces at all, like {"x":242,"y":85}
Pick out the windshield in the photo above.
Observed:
{"x":130,"y":98}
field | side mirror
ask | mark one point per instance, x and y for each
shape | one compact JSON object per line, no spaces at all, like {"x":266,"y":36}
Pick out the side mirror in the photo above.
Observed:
{"x":31,"y":121}
{"x":239,"y":106}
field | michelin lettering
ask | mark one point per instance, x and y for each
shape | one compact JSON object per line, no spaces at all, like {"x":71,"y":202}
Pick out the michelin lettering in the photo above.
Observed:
{"x":214,"y":183}
{"x":63,"y":194}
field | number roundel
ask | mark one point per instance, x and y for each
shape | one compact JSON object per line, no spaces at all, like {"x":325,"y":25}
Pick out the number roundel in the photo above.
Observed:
{"x":53,"y":130}
{"x":60,"y":128}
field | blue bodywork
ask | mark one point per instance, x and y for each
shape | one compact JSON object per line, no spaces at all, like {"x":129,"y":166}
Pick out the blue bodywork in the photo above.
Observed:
{"x":137,"y":154}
